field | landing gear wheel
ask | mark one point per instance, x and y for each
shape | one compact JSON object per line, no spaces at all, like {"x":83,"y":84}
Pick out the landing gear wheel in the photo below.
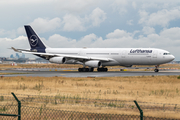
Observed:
{"x":91,"y":69}
{"x":80,"y":69}
{"x":156,"y":70}
{"x":102,"y":69}
{"x":83,"y":69}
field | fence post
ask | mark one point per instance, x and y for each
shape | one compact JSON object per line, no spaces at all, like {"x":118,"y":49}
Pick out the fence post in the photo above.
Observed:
{"x":140,"y":110}
{"x":19,"y":106}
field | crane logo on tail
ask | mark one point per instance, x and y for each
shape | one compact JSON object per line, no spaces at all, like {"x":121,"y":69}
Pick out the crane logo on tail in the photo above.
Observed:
{"x":33,"y":40}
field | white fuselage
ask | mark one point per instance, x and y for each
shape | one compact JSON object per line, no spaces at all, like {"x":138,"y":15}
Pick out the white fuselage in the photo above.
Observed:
{"x":118,"y":56}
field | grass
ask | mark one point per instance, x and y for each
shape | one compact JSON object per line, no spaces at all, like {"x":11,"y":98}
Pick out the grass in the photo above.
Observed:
{"x":3,"y":109}
{"x":12,"y":73}
{"x":143,"y":88}
{"x":158,"y":89}
{"x":50,"y":65}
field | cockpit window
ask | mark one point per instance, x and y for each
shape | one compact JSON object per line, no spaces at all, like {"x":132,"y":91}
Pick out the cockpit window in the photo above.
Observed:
{"x":166,"y":53}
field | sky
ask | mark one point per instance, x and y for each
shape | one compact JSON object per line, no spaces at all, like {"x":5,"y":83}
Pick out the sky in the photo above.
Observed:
{"x":92,"y":24}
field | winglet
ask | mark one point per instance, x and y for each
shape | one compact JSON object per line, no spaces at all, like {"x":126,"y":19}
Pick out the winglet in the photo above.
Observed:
{"x":16,"y":50}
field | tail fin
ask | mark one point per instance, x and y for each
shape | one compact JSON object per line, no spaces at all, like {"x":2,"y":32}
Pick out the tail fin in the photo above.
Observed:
{"x":34,"y":40}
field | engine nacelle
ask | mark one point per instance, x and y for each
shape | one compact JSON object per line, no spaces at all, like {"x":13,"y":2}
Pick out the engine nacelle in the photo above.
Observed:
{"x":93,"y":63}
{"x":59,"y":60}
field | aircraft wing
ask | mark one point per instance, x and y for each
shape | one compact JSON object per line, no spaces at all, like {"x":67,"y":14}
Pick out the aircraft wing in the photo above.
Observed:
{"x":49,"y":55}
{"x":19,"y":50}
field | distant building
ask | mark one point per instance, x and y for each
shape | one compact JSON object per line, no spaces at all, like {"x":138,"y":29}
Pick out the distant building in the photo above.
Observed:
{"x":17,"y":55}
{"x":23,"y":55}
{"x":11,"y":56}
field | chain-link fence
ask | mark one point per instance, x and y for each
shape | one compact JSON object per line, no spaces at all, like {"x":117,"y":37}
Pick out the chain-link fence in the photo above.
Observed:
{"x":29,"y":111}
{"x":35,"y":113}
{"x":116,"y":104}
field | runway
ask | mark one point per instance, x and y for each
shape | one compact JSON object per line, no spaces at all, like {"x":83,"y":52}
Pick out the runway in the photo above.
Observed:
{"x":85,"y":74}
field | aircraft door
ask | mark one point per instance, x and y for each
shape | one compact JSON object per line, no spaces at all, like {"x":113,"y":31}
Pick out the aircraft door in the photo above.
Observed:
{"x":82,"y":52}
{"x":123,"y":54}
{"x":154,"y":56}
{"x":123,"y":57}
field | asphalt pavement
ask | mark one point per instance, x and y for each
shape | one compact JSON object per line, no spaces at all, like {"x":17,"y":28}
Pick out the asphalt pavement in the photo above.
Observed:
{"x":72,"y":73}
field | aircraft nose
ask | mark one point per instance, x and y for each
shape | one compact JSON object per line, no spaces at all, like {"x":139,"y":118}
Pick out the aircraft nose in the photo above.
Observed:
{"x":172,"y":57}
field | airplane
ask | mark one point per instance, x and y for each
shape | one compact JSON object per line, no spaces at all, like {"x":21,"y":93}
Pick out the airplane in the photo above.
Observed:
{"x":98,"y":58}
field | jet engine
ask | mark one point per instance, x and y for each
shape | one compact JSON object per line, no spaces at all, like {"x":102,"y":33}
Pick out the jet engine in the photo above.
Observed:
{"x":94,"y":64}
{"x":59,"y":60}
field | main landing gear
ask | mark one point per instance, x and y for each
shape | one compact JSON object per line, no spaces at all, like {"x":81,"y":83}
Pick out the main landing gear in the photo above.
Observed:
{"x":92,"y":69}
{"x":156,"y":69}
{"x":86,"y":69}
{"x":102,"y":69}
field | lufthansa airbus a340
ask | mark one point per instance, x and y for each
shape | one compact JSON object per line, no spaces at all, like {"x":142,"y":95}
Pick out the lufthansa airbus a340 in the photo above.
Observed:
{"x":96,"y":57}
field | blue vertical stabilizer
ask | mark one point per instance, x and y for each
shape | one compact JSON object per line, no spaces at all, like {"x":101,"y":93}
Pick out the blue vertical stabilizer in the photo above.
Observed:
{"x":34,"y":41}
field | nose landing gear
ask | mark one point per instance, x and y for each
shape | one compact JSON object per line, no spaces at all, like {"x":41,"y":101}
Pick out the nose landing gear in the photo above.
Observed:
{"x":156,"y":69}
